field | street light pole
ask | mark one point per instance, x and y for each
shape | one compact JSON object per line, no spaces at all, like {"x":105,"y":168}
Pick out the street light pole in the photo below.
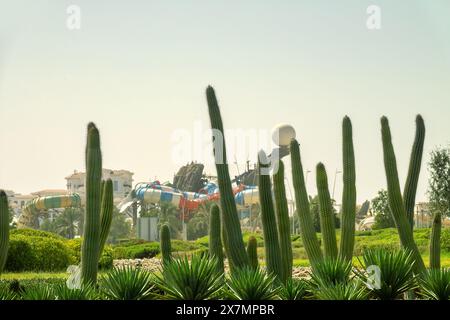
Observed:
{"x":334,"y":183}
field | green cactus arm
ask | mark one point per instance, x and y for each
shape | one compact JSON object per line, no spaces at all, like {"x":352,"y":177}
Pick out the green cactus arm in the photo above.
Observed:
{"x":349,"y":193}
{"x":106,"y":213}
{"x":91,"y":241}
{"x":235,"y":247}
{"x":252,"y":252}
{"x":165,"y":244}
{"x":271,"y":244}
{"x":215,"y":242}
{"x":409,"y":193}
{"x":435,"y":241}
{"x":4,"y":229}
{"x":326,"y":213}
{"x":308,"y":234}
{"x":395,"y":197}
{"x":283,"y":223}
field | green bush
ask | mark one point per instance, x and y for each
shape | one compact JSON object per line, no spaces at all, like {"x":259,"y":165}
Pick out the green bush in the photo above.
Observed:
{"x":35,"y":233}
{"x":105,"y":261}
{"x":37,"y":253}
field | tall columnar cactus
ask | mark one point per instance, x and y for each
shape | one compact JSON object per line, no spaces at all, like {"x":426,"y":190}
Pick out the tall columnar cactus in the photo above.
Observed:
{"x":4,"y":229}
{"x":106,"y":213}
{"x":409,"y":193}
{"x":283,"y":224}
{"x":252,"y":252}
{"x":271,"y":243}
{"x":91,"y":242}
{"x":396,"y":203}
{"x":435,"y":242}
{"x":326,"y":213}
{"x":215,"y":242}
{"x":308,"y":234}
{"x":165,"y":245}
{"x":348,"y":194}
{"x":235,"y":248}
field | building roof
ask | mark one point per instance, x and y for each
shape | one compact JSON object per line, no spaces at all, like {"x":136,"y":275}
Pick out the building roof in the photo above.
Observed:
{"x":78,"y":174}
{"x":46,"y":192}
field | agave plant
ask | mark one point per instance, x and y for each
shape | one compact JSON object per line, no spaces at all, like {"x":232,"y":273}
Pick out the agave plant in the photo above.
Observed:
{"x":330,"y":272}
{"x":352,"y":290}
{"x":435,"y":284}
{"x":6,"y":294}
{"x":127,"y":283}
{"x":394,"y":273}
{"x":39,"y":292}
{"x":197,"y":279}
{"x":294,"y":289}
{"x":248,"y":283}
{"x":86,"y":292}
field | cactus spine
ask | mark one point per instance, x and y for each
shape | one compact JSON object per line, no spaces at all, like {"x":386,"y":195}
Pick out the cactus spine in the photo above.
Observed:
{"x":283,"y":224}
{"x":435,"y":242}
{"x":348,"y":194}
{"x":409,"y":193}
{"x":271,"y":244}
{"x":308,"y":233}
{"x":215,"y":242}
{"x":4,"y":229}
{"x":234,"y":246}
{"x":106,"y":213}
{"x":165,"y":245}
{"x":396,"y":203}
{"x":252,"y":252}
{"x":326,"y":213}
{"x":91,"y":242}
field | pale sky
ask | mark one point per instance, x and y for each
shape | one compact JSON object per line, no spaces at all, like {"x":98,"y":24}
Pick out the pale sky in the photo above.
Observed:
{"x":139,"y":70}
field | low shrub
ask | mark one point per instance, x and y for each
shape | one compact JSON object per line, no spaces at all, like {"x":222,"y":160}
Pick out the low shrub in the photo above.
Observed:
{"x":37,"y":253}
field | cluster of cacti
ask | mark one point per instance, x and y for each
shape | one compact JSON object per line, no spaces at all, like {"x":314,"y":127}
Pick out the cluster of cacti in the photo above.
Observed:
{"x":326,"y":213}
{"x":396,"y":203}
{"x":215,"y":241}
{"x":165,"y":244}
{"x":4,"y":229}
{"x":270,"y":232}
{"x":99,"y":208}
{"x":232,"y":234}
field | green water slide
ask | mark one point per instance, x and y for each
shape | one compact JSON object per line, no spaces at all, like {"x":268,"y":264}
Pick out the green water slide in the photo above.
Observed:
{"x":37,"y":207}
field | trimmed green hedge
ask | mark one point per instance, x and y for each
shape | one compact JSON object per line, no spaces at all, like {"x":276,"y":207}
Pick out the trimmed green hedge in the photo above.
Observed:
{"x":35,"y":250}
{"x":35,"y":253}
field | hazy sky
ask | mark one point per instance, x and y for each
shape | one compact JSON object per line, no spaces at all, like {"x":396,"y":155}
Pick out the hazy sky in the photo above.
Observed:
{"x":139,"y":70}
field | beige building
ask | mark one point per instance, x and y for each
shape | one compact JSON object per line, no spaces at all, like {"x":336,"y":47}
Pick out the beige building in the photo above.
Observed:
{"x":122,"y":182}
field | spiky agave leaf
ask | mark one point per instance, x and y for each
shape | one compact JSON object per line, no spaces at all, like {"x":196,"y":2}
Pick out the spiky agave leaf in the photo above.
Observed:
{"x":252,"y":284}
{"x":39,"y":292}
{"x":196,"y":279}
{"x":86,"y":292}
{"x":127,"y":283}
{"x":352,"y":290}
{"x":395,"y":274}
{"x":435,"y":284}
{"x":330,"y":272}
{"x":294,"y":289}
{"x":6,"y":293}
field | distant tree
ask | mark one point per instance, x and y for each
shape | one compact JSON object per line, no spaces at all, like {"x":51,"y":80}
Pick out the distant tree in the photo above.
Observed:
{"x":120,"y":227}
{"x":439,"y":182}
{"x":315,"y":212}
{"x":380,"y":209}
{"x":66,"y":224}
{"x":12,"y":224}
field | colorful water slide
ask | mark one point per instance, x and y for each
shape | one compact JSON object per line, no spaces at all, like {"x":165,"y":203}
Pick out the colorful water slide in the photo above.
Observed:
{"x":33,"y":209}
{"x":155,"y":193}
